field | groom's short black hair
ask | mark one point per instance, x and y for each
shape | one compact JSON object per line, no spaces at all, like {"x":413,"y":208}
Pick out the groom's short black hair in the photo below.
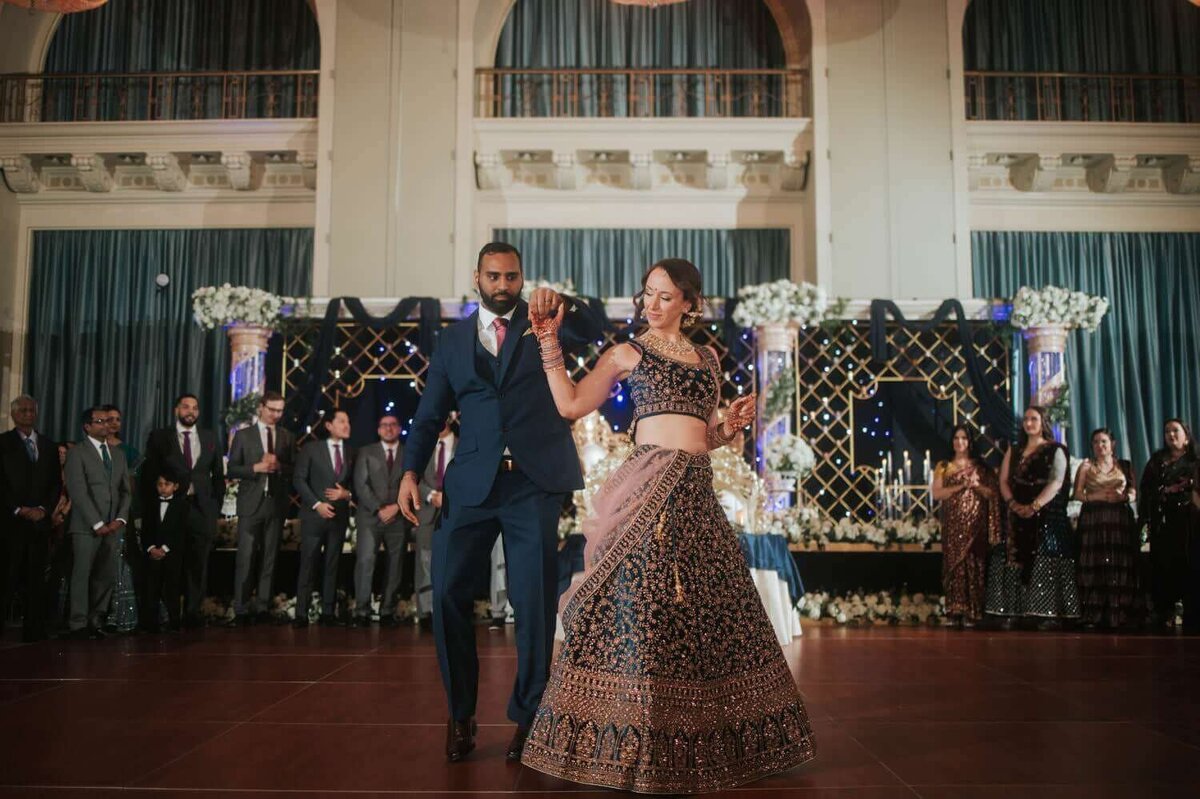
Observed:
{"x":497,"y":248}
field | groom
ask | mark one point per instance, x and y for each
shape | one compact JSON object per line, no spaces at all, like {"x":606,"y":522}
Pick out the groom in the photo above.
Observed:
{"x":514,"y":466}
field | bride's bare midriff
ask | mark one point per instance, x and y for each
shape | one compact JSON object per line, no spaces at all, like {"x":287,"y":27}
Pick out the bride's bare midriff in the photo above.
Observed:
{"x":673,"y":431}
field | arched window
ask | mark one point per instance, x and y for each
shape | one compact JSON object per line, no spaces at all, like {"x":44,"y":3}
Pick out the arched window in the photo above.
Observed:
{"x":622,"y":52}
{"x":121,"y":45}
{"x":1084,"y":60}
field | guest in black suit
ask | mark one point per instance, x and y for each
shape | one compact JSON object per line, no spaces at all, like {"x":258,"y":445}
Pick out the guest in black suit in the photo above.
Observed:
{"x":323,"y":471}
{"x":194,"y":455}
{"x":167,"y":523}
{"x":30,"y":484}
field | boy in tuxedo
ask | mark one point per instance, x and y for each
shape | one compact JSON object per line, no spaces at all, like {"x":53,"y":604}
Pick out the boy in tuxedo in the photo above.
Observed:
{"x":165,"y":523}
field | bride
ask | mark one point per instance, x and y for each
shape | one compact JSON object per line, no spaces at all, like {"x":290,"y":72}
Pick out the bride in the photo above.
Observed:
{"x":670,"y":679}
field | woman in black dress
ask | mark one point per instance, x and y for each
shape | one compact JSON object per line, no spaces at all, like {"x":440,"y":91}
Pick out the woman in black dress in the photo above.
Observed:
{"x":1166,"y":509}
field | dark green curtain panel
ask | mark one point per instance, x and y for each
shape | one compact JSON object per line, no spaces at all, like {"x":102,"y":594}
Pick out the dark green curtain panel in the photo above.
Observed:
{"x":1140,"y":367}
{"x":1129,"y":37}
{"x":182,"y":36}
{"x":100,"y":331}
{"x":610,"y":262}
{"x":590,"y":34}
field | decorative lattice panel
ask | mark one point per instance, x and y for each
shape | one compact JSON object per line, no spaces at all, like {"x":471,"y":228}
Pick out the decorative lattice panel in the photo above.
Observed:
{"x":837,"y":382}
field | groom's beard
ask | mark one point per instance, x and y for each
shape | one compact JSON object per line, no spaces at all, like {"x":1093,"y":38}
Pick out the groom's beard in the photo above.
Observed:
{"x":499,"y":303}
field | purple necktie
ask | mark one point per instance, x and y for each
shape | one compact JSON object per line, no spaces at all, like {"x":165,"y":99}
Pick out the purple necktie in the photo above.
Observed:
{"x":441,"y":467}
{"x":337,"y":459}
{"x":391,"y":459}
{"x":187,"y":449}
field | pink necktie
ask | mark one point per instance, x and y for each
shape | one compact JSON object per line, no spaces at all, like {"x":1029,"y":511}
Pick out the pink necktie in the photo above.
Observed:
{"x":501,"y":325}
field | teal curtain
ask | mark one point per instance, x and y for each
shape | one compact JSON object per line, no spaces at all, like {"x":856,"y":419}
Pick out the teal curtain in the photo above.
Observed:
{"x":180,"y":36}
{"x":610,"y":262}
{"x":1140,"y":367}
{"x":590,"y":34}
{"x":99,"y":330}
{"x":1129,"y":37}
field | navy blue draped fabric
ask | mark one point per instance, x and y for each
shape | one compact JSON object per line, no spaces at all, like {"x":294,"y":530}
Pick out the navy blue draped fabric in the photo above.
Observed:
{"x":100,"y":330}
{"x":1139,"y":368}
{"x":610,"y":262}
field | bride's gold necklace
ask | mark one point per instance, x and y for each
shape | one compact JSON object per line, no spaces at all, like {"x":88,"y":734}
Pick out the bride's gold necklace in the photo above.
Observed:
{"x":679,"y":349}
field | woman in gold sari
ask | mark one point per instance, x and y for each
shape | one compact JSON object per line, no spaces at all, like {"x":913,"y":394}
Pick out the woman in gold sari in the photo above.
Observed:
{"x":970,"y":515}
{"x":670,"y":679}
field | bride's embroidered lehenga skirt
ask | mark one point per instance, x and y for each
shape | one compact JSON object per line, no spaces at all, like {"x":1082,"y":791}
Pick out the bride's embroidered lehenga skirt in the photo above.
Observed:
{"x":670,"y":678}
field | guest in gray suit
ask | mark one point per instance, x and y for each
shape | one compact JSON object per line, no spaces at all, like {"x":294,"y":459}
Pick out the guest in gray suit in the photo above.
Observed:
{"x":97,"y":479}
{"x":261,"y":458}
{"x":377,"y":473}
{"x":428,"y":515}
{"x":323,"y":471}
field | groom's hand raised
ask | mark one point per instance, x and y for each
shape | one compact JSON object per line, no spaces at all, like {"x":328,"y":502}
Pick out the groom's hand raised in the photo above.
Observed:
{"x":409,"y":498}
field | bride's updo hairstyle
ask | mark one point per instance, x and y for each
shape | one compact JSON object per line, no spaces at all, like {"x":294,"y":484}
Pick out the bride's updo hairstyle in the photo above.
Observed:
{"x":684,"y":275}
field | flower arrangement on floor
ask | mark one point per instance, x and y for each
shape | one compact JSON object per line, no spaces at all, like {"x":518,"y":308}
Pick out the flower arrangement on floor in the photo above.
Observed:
{"x":218,"y":306}
{"x":810,"y":528}
{"x":882,"y":607}
{"x":790,"y":456}
{"x":1054,"y":305}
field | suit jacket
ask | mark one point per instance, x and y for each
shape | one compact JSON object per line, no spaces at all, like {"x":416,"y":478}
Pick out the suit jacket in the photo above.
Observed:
{"x":247,"y":450}
{"x":374,"y":487}
{"x":207,"y":475}
{"x":428,"y":514}
{"x":171,"y":529}
{"x":314,"y":473}
{"x":28,"y":485}
{"x":97,"y":495}
{"x":511,"y":407}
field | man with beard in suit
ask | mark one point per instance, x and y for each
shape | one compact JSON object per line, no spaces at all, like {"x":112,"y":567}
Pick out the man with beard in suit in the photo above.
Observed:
{"x":194,"y":456}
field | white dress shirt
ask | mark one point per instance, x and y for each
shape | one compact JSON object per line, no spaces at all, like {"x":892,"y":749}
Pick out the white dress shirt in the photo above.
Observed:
{"x":262,"y":434}
{"x":163,"y":504}
{"x":487,"y":333}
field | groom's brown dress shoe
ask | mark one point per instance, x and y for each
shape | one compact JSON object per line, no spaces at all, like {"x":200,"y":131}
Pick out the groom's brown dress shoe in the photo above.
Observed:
{"x":516,"y":745}
{"x":460,"y":738}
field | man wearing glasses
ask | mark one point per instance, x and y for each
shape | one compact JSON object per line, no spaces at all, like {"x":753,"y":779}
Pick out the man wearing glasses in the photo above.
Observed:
{"x":261,"y":458}
{"x":98,"y":483}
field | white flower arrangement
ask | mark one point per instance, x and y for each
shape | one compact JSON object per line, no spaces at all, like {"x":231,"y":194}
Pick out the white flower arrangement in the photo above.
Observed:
{"x":1054,"y":305}
{"x":808,"y":527}
{"x":790,"y":455}
{"x":877,"y":608}
{"x":566,"y":287}
{"x":219,"y":306}
{"x":781,"y":302}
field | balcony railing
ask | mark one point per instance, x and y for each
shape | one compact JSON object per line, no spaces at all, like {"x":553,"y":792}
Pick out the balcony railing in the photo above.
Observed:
{"x":146,"y":96}
{"x":640,"y":92}
{"x":1082,"y":97}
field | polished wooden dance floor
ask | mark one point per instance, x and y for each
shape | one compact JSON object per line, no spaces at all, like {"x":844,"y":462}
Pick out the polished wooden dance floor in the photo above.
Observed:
{"x":899,"y":712}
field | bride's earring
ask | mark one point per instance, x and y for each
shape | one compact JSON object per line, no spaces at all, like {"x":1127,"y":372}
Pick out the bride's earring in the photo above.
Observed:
{"x":691,"y":318}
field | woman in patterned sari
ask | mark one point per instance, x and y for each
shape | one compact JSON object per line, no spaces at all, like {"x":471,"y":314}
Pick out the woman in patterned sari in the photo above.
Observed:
{"x":1037,"y":579}
{"x":1164,"y":506}
{"x":970,"y":519}
{"x":1108,"y":537}
{"x":670,"y":679}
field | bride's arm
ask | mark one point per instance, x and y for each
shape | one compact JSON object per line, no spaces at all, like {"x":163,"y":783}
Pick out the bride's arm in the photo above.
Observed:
{"x":741,"y":412}
{"x":576,"y":400}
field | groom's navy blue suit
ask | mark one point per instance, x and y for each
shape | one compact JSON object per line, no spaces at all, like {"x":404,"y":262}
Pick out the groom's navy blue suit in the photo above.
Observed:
{"x":503,"y":402}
